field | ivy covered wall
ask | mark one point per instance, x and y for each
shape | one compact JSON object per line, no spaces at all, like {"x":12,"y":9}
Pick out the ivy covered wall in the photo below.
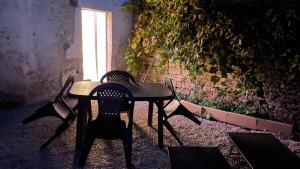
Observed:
{"x":245,"y":52}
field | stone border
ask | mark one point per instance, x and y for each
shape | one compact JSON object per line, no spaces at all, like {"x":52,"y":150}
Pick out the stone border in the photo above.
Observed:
{"x":242,"y":120}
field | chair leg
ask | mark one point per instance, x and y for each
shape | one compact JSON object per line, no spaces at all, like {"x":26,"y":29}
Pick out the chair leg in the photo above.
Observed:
{"x":128,"y":152}
{"x":88,"y":142}
{"x":86,"y":148}
{"x":127,"y":145}
{"x":172,"y":131}
{"x":58,"y":132}
{"x":150,"y":113}
{"x":71,"y":119}
{"x":181,"y":110}
{"x":46,"y":110}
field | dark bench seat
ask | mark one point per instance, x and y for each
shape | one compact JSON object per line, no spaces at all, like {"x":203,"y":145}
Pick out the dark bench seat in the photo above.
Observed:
{"x":197,"y":158}
{"x":263,"y":150}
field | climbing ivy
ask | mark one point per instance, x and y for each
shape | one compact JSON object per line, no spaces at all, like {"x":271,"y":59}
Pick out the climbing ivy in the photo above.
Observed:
{"x":216,"y":37}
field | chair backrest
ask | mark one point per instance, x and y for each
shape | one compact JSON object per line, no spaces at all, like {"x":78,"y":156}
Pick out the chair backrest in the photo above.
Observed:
{"x":117,"y":76}
{"x":111,"y":97}
{"x":169,"y":84}
{"x":65,"y":89}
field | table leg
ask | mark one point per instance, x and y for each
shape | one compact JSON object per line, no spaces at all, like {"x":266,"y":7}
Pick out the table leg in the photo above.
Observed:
{"x":81,"y":122}
{"x":160,"y":123}
{"x":150,"y":113}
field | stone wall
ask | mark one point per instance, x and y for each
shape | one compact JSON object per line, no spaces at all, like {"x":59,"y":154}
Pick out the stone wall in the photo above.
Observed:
{"x":281,"y":96}
{"x":281,"y":93}
{"x":40,"y":45}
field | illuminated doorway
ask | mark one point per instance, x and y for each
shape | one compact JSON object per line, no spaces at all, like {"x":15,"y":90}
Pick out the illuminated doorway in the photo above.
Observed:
{"x":94,"y":43}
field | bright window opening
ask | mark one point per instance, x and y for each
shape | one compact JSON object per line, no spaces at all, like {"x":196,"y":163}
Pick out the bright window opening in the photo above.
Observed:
{"x":94,"y":43}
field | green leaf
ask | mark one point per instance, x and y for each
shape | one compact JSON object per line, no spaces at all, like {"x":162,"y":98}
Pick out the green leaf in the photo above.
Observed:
{"x":214,"y":79}
{"x":208,"y":116}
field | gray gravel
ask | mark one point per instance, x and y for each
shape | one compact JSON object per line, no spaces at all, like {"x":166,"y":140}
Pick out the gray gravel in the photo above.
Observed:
{"x":19,"y":144}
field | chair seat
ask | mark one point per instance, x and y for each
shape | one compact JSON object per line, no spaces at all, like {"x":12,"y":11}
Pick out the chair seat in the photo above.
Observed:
{"x":171,"y":106}
{"x":61,"y":110}
{"x":108,"y":130}
{"x":71,"y":102}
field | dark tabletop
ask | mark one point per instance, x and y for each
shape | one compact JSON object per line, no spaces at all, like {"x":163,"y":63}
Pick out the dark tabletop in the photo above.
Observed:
{"x":140,"y":91}
{"x":263,"y":150}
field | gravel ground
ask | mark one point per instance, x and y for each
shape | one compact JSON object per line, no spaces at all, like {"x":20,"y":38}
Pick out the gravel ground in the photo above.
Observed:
{"x":19,"y":144}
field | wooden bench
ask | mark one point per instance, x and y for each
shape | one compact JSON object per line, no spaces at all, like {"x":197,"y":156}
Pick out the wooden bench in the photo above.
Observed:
{"x":263,"y":150}
{"x":197,"y":158}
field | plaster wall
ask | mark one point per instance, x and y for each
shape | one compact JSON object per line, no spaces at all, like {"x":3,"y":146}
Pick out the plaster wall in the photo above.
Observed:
{"x":40,"y":45}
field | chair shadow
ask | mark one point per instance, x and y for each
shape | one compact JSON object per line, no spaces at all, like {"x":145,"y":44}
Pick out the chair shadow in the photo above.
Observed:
{"x":76,"y":157}
{"x":142,"y":133}
{"x":155,"y":129}
{"x":145,"y":134}
{"x":108,"y":146}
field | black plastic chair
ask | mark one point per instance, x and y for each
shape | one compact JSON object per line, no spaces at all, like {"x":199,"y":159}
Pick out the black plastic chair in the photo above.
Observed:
{"x":108,"y":124}
{"x":117,"y":76}
{"x":174,"y":107}
{"x":61,"y":106}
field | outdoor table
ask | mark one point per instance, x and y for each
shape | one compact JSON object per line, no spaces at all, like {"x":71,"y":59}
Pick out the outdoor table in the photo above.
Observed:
{"x":263,"y":150}
{"x":152,"y":92}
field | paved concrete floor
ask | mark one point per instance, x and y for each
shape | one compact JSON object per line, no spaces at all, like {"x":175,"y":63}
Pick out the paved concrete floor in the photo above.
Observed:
{"x":19,"y":144}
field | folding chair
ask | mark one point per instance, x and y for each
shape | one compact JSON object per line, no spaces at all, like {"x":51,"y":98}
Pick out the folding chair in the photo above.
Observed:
{"x":61,"y":106}
{"x":174,"y":107}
